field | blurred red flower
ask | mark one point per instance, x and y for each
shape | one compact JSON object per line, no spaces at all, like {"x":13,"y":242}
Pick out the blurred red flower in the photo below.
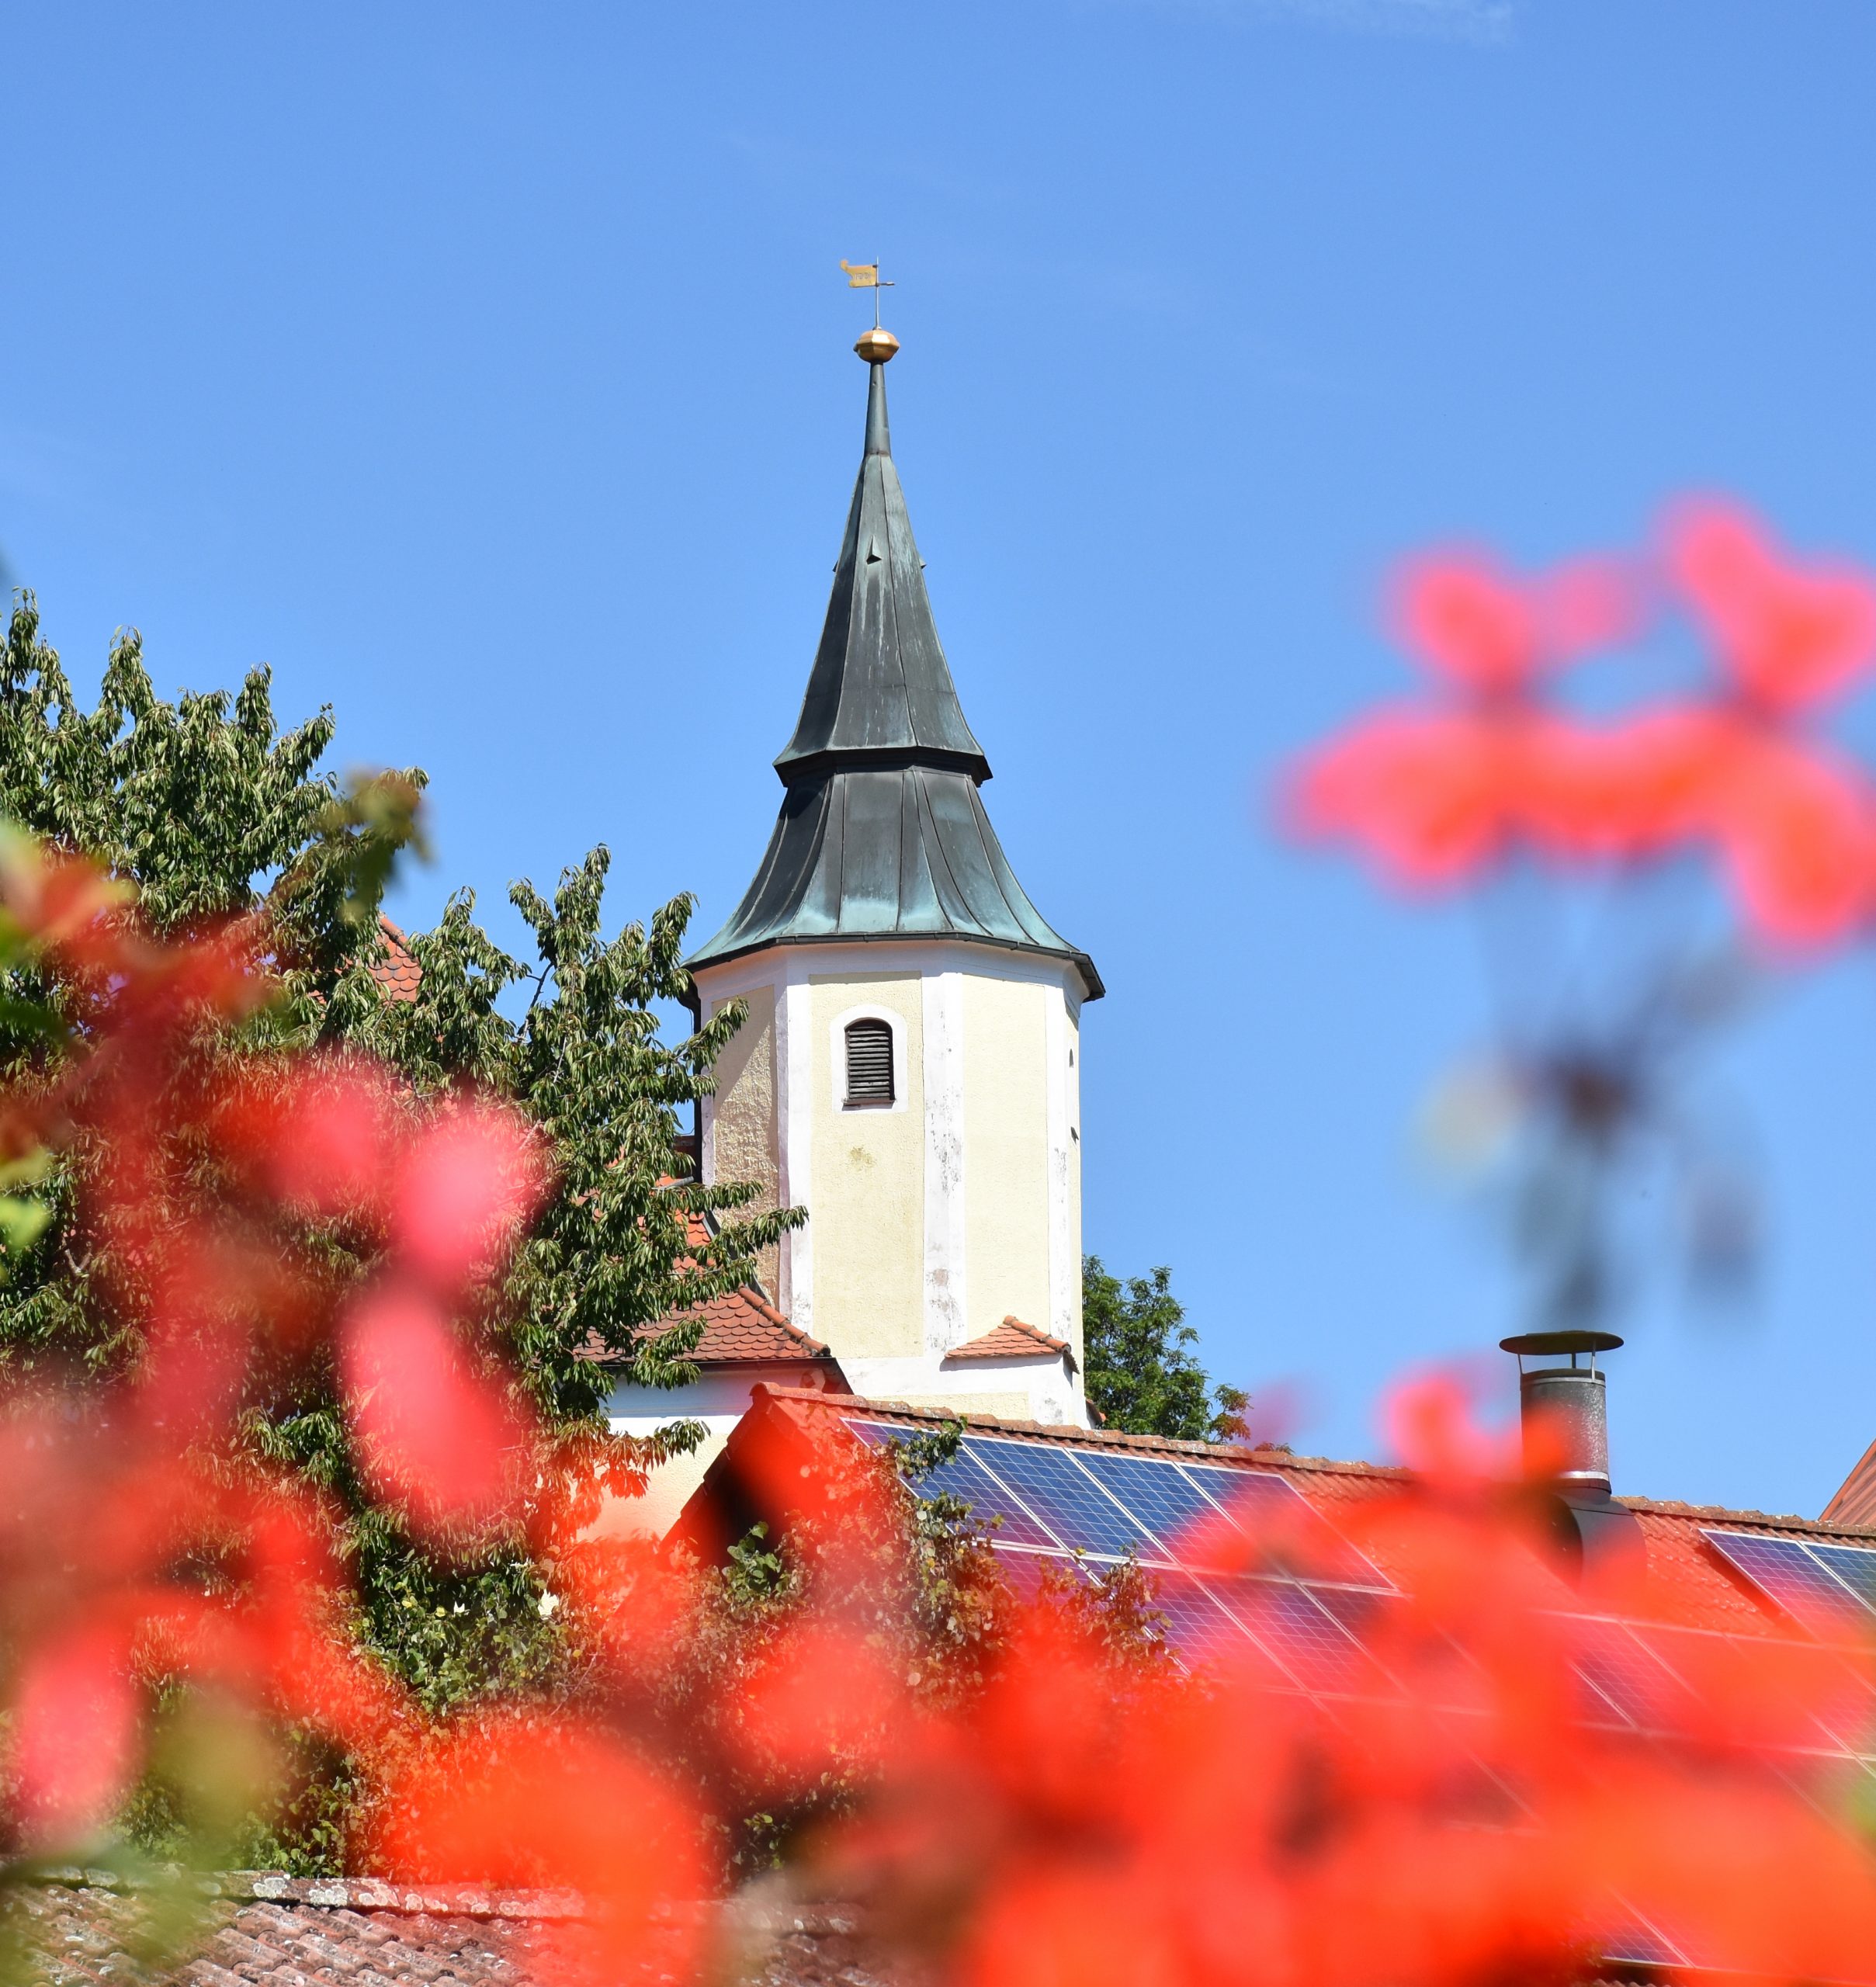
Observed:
{"x":1788,"y":635}
{"x":1438,"y":795}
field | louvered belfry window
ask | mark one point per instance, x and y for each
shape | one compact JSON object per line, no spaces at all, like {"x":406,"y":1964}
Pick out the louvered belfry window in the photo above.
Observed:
{"x":869,"y":1062}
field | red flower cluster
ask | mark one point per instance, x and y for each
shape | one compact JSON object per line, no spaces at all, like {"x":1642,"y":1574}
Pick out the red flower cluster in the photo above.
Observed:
{"x":1435,"y":793}
{"x":140,"y":1539}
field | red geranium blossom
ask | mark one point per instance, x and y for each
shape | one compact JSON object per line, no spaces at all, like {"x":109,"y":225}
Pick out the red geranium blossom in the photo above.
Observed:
{"x":1788,"y":635}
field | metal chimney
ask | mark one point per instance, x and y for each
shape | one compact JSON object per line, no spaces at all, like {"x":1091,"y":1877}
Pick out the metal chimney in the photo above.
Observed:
{"x":1566,"y":1455}
{"x":1566,"y":1409}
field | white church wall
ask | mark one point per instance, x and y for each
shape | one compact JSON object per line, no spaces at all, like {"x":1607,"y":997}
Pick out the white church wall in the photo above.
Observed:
{"x":930,"y":1221}
{"x":868,"y":1208}
{"x":1006,"y":1135}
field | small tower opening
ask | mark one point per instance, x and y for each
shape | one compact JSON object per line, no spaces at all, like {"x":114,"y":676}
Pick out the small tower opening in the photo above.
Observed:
{"x":869,"y":1063}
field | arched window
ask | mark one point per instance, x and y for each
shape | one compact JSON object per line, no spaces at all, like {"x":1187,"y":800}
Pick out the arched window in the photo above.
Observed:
{"x":869,"y":1062}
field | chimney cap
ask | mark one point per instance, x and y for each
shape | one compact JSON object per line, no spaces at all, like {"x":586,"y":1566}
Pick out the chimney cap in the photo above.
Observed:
{"x":1538,"y":1343}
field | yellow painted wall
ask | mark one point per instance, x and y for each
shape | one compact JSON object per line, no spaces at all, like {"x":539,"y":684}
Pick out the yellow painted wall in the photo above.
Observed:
{"x":869,"y":1183}
{"x":747,"y":1138}
{"x":1011,"y":1406}
{"x":1006,"y":1146}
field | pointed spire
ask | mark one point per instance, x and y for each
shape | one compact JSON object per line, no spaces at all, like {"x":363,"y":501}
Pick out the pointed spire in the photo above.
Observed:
{"x":882,"y":833}
{"x":880,"y":693}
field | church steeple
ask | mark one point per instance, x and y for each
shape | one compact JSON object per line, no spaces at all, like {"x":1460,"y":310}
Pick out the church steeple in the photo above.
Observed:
{"x":882,"y":833}
{"x":881,"y":691}
{"x":908,"y":1068}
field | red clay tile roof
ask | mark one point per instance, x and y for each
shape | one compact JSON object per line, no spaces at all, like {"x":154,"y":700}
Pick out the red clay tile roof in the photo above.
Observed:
{"x":1855,"y":1503}
{"x":259,"y":1930}
{"x":397,"y":973}
{"x":739,"y":1329}
{"x":1696,"y":1588}
{"x":1012,"y":1340}
{"x":744,"y":1326}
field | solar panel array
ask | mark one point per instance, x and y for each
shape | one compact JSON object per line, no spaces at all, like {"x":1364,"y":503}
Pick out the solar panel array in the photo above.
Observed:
{"x":1831,"y":1589}
{"x":1297,"y":1618}
{"x":1309,"y":1626}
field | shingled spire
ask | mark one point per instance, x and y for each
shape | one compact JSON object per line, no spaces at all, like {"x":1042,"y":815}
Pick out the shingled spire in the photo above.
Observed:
{"x":882,"y":833}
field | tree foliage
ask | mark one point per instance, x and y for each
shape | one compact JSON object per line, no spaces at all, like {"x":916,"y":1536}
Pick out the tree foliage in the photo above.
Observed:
{"x":215,"y":820}
{"x":1142,"y":1375}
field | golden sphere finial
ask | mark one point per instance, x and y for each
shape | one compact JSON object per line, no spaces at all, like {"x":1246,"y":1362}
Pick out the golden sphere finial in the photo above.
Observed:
{"x":876,"y":346}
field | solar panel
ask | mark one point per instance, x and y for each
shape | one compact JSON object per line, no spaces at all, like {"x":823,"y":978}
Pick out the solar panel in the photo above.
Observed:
{"x":1305,"y":1638}
{"x":1065,"y":1497}
{"x":1641,"y":1689}
{"x":1321,"y":1627}
{"x":1855,"y":1565}
{"x":1026,"y":1571}
{"x":1637,"y":1942}
{"x":1199,"y":1629}
{"x":1274,"y":1512}
{"x":1179,"y":1514}
{"x":965,"y":1477}
{"x":1801,"y":1584}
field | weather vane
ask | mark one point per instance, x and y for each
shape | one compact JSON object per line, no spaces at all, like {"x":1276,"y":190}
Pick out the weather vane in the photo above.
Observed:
{"x":865,"y":276}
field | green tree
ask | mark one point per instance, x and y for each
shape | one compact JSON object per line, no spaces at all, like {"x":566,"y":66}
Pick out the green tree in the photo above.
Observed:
{"x":204,"y":805}
{"x":1142,"y":1375}
{"x":212,"y":813}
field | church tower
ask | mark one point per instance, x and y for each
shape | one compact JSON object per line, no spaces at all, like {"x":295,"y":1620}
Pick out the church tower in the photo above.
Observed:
{"x":910,"y":1069}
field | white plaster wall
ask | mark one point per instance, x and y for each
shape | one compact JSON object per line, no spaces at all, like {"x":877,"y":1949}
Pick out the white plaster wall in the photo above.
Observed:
{"x":719,"y":1400}
{"x":977,"y":1386}
{"x":1006,"y":1134}
{"x":670,"y":1487}
{"x":868,"y":1208}
{"x":929,"y":1223}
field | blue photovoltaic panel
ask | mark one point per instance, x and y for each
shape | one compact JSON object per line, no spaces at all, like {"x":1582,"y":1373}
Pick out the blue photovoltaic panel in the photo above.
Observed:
{"x":1196,"y":1627}
{"x":1637,"y":1942}
{"x":1269,"y":1506}
{"x":963,"y":1477}
{"x":1608,"y":1656}
{"x":1799,"y":1583}
{"x":1855,"y":1565}
{"x":1259,"y":1496}
{"x":1166,"y":1502}
{"x":1309,"y":1644}
{"x":1361,"y":1613}
{"x":1063,"y":1496}
{"x":1025,"y":1570}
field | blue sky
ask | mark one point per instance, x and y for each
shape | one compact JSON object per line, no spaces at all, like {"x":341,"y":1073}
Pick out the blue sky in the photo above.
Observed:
{"x":485,"y":370}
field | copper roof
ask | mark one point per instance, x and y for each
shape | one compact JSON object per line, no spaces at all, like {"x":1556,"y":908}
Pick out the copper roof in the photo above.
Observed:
{"x":882,"y":833}
{"x":1012,"y":1340}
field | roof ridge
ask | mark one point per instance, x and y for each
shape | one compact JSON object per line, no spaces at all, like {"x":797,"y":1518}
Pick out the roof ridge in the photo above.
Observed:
{"x":1263,"y":1458}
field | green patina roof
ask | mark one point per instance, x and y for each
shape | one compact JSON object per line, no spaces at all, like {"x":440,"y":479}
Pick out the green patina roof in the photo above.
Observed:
{"x":882,"y":833}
